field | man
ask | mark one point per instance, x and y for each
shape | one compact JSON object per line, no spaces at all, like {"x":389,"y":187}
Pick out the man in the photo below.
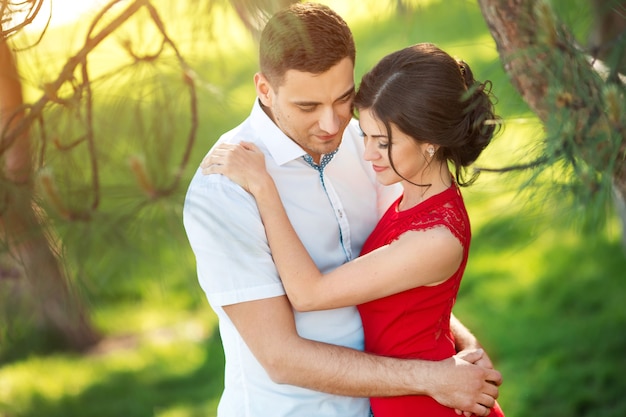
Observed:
{"x":280,"y":362}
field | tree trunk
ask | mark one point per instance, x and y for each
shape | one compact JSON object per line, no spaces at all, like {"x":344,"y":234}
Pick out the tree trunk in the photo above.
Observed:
{"x":609,"y":26}
{"x":538,"y":57}
{"x":23,"y":229}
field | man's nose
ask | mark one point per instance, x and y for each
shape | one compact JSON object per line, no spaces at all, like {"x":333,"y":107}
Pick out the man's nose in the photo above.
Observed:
{"x":329,"y":121}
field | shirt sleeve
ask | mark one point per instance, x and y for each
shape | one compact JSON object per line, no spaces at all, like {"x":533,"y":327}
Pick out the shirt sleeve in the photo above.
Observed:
{"x":228,"y":239}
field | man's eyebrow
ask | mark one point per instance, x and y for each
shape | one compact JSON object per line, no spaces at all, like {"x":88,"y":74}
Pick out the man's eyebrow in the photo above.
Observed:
{"x":315,"y":103}
{"x":346,"y":94}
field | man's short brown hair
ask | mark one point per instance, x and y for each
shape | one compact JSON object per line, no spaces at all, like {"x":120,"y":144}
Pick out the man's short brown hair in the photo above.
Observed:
{"x":307,"y":37}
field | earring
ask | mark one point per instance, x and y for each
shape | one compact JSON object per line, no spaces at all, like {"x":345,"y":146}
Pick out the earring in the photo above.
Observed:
{"x":431,"y":151}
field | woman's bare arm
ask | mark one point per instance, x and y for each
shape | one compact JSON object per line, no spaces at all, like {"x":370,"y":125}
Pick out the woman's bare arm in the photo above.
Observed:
{"x":417,"y":258}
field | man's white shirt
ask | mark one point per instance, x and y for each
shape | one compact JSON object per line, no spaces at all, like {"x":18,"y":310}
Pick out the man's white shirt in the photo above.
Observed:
{"x":333,"y":212}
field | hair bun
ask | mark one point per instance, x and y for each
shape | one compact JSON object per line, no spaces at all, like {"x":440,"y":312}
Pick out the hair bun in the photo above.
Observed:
{"x":466,"y":73}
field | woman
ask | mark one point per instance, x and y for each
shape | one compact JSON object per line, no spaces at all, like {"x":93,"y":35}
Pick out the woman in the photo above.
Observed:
{"x":420,"y":112}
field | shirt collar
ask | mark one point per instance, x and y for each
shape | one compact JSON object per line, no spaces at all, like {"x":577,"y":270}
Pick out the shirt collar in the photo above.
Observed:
{"x":279,"y":145}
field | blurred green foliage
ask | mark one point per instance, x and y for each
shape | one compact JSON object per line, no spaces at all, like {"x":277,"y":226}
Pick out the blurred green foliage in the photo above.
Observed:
{"x":542,"y":293}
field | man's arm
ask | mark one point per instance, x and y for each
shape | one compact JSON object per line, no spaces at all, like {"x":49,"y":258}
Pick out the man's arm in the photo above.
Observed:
{"x":466,"y":342}
{"x":267,"y":325}
{"x":464,"y":339}
{"x":269,"y":330}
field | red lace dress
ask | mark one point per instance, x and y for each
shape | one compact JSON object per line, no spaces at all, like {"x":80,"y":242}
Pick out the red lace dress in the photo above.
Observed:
{"x":416,"y":323}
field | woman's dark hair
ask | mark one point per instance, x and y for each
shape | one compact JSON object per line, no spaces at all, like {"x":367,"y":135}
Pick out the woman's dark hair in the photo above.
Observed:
{"x":433,"y":98}
{"x":307,"y":37}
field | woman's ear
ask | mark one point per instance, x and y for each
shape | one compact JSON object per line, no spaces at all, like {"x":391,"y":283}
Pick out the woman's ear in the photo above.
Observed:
{"x":263,"y":89}
{"x":427,"y":149}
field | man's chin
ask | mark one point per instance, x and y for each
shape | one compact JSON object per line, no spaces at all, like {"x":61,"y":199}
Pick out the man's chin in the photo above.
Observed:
{"x":330,"y":146}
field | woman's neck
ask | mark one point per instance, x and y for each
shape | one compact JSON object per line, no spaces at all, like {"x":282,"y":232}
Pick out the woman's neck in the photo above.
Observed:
{"x":434,"y":180}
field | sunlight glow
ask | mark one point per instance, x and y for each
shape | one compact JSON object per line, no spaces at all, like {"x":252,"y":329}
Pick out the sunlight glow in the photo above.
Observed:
{"x":64,"y":12}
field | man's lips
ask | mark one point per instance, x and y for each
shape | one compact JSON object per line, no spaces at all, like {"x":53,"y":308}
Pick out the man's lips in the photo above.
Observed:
{"x":326,"y":138}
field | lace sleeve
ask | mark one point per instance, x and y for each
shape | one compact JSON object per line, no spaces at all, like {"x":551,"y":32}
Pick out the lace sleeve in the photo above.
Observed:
{"x":451,"y":215}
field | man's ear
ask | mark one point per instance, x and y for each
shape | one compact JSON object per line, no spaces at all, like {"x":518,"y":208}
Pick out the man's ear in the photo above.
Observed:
{"x":263,"y":89}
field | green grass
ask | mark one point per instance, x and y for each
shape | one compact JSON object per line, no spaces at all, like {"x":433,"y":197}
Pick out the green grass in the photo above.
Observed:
{"x":547,"y":302}
{"x":170,"y":373}
{"x":543,"y":293}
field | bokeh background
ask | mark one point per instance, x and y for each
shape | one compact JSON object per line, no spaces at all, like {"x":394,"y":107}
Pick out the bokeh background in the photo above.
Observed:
{"x":545,"y":287}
